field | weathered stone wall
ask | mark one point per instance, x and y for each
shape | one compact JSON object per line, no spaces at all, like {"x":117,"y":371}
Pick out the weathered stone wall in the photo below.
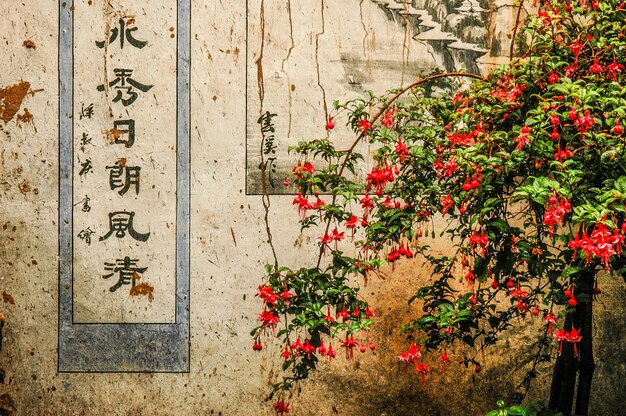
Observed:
{"x":314,"y":52}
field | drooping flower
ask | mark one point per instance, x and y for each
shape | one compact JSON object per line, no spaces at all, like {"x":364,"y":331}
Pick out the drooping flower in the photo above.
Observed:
{"x":551,"y":320}
{"x":596,"y":68}
{"x":268,"y":319}
{"x":613,"y":69}
{"x":349,"y":344}
{"x":281,"y":407}
{"x":402,"y":150}
{"x":364,"y":126}
{"x":553,"y":78}
{"x":343,"y":314}
{"x":330,"y":124}
{"x":443,"y":359}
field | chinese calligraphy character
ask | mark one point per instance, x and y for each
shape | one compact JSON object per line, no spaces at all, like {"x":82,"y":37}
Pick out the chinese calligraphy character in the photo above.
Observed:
{"x":130,"y":173}
{"x":86,"y":112}
{"x":85,"y":167}
{"x":267,"y":130}
{"x":120,"y":223}
{"x":125,"y":34}
{"x":127,"y":269}
{"x":85,"y":202}
{"x":123,"y":78}
{"x":267,"y":125}
{"x":124,"y":132}
{"x":85,"y":139}
{"x":271,"y":164}
{"x":85,"y":235}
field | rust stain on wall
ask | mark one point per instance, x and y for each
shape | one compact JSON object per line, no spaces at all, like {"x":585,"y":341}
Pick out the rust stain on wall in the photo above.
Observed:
{"x":143,"y":289}
{"x":27,"y":117}
{"x":11,"y":99}
{"x":29,"y":44}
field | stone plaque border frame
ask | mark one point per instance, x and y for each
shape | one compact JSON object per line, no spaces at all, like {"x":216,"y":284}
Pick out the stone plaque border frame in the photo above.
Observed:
{"x":123,"y":347}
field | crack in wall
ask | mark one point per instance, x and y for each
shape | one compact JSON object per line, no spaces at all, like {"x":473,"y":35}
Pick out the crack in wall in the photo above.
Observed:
{"x":282,"y":67}
{"x":365,"y":31}
{"x":317,"y":61}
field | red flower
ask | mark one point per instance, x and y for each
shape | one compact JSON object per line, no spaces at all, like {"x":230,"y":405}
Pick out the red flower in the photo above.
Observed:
{"x":443,"y":359}
{"x":613,"y":68}
{"x":617,"y":129}
{"x":596,"y":68}
{"x":446,"y":204}
{"x":281,"y":407}
{"x":423,"y":370}
{"x":343,"y":314}
{"x":576,"y":48}
{"x":285,"y":354}
{"x":268,"y":319}
{"x":349,"y":345}
{"x":402,"y":150}
{"x":387,"y":120}
{"x":322,"y":349}
{"x":330,"y":124}
{"x":553,"y":78}
{"x":257,"y":346}
{"x":351,"y":223}
{"x":331,"y":353}
{"x":367,"y":202}
{"x":267,"y":294}
{"x":329,"y":318}
{"x":411,"y":355}
{"x":551,"y":320}
{"x":364,"y":126}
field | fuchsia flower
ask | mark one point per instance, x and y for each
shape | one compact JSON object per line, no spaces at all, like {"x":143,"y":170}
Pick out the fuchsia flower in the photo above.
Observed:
{"x":449,"y":167}
{"x":329,"y":318}
{"x":553,"y":78}
{"x":402,"y":150}
{"x":266,"y":293}
{"x":331,"y":353}
{"x":612,"y":70}
{"x":522,"y":140}
{"x":268,"y":319}
{"x":411,"y":355}
{"x":572,"y":336}
{"x":330,"y":124}
{"x":617,"y":129}
{"x":364,"y":126}
{"x":479,"y":240}
{"x":322,"y":349}
{"x":446,"y":204}
{"x":551,"y":320}
{"x":343,"y":314}
{"x":281,"y":407}
{"x":443,"y":359}
{"x":286,"y":353}
{"x":603,"y":243}
{"x":300,"y":169}
{"x":379,"y":178}
{"x":555,"y":213}
{"x":349,"y":344}
{"x":564,"y":154}
{"x":367,"y":202}
{"x":596,"y":68}
{"x":387,"y":120}
{"x":423,"y":370}
{"x":576,"y":48}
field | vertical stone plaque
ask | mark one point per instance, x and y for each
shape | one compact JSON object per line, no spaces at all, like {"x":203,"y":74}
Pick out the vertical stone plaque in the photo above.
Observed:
{"x":124,"y":161}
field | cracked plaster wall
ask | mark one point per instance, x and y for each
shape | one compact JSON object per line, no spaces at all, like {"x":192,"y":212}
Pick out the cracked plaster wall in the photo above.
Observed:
{"x":227,"y":241}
